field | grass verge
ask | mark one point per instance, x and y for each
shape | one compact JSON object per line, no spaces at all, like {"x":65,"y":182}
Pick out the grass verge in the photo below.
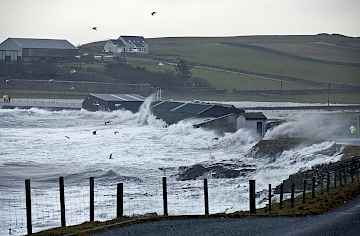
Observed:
{"x":323,"y":202}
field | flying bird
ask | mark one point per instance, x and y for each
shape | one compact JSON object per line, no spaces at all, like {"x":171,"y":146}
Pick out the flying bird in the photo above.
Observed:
{"x":153,"y":13}
{"x":94,"y":28}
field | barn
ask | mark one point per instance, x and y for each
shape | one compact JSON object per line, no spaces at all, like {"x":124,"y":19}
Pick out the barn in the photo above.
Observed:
{"x":17,"y":50}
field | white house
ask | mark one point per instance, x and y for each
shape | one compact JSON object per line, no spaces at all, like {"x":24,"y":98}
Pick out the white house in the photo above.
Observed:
{"x":253,"y":121}
{"x":127,"y":44}
{"x":114,"y":46}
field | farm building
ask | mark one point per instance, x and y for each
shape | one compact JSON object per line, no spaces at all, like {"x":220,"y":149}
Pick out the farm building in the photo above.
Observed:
{"x":220,"y":117}
{"x":127,"y":44}
{"x":15,"y":50}
{"x":112,"y":102}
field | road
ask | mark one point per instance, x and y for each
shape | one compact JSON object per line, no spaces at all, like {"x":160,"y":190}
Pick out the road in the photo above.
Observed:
{"x":343,"y":221}
{"x":42,"y":103}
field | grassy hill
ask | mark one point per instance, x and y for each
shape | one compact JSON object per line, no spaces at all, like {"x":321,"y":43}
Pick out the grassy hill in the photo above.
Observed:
{"x":260,"y":62}
{"x":236,"y":53}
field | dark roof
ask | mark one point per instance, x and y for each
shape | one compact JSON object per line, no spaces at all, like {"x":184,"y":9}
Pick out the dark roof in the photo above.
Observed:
{"x":119,"y":97}
{"x":168,"y":110}
{"x":254,"y":116}
{"x":117,"y":42}
{"x":138,"y":41}
{"x":42,"y":43}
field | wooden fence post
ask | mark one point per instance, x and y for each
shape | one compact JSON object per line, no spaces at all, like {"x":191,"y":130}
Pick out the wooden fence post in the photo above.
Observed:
{"x":335,"y":179}
{"x":62,"y":201}
{"x":91,"y":199}
{"x":28,"y":206}
{"x":313,"y":187}
{"x":270,"y":198}
{"x":120,"y":200}
{"x":281,"y":195}
{"x":252,"y":196}
{"x":292,"y":195}
{"x":304,"y":192}
{"x":206,"y":197}
{"x":164,"y":196}
{"x":345,"y":177}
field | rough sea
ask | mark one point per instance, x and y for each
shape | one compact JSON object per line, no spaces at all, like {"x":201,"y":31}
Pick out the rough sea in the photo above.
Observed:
{"x":43,"y":145}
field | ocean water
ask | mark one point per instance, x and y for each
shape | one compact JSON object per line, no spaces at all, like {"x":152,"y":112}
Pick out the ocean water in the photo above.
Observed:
{"x":43,"y":145}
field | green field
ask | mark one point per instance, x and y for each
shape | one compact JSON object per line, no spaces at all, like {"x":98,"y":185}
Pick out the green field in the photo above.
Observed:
{"x":214,"y":53}
{"x":261,"y":62}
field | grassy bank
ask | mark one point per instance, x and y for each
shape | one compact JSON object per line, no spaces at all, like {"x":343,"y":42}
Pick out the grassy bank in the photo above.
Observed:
{"x":316,"y":98}
{"x":234,"y":52}
{"x":323,"y":202}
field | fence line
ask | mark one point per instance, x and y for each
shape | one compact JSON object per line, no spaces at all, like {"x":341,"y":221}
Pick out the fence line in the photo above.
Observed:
{"x":69,"y":206}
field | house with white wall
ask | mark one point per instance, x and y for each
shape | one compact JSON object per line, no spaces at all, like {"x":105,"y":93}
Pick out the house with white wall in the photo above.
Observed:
{"x":127,"y":44}
{"x":114,"y":46}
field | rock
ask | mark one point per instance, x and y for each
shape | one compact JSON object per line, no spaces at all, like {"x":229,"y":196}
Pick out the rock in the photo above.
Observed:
{"x":350,"y":151}
{"x":224,"y":169}
{"x":192,"y":172}
{"x":274,"y":147}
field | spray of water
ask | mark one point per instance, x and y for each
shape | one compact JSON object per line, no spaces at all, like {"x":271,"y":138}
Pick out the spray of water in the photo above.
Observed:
{"x":33,"y":145}
{"x":313,"y":126}
{"x":145,"y":116}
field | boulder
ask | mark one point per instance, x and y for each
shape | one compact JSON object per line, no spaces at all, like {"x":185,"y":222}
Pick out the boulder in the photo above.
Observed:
{"x":223,"y":169}
{"x":274,"y":147}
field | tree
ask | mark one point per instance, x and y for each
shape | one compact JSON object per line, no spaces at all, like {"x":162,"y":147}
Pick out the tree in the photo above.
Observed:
{"x":183,"y":69}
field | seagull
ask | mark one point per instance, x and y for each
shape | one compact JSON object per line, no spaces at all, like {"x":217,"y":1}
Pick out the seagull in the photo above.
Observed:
{"x":153,"y":13}
{"x":110,"y":157}
{"x":94,"y":28}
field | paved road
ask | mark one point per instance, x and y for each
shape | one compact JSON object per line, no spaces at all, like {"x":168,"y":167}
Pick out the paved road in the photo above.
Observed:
{"x":343,"y":221}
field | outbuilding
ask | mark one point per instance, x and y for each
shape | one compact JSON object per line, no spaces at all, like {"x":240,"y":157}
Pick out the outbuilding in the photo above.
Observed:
{"x":220,"y":117}
{"x":112,"y":102}
{"x":253,"y":121}
{"x":16,"y":50}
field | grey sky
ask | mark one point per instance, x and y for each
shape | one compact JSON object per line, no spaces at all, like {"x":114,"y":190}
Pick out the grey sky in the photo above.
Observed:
{"x":73,"y":19}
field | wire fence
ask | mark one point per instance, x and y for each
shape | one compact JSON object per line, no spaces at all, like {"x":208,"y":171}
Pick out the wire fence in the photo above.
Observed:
{"x":171,"y":197}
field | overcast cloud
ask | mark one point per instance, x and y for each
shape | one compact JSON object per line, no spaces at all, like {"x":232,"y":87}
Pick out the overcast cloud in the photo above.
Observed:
{"x":73,"y":19}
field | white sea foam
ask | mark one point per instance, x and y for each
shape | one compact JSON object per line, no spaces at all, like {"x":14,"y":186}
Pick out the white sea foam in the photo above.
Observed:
{"x":33,"y":145}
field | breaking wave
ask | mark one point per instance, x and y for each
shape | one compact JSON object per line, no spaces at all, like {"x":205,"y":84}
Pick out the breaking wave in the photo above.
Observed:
{"x":314,"y":126}
{"x":33,"y":143}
